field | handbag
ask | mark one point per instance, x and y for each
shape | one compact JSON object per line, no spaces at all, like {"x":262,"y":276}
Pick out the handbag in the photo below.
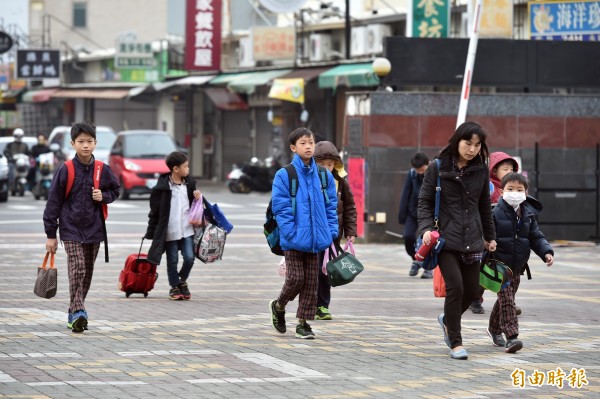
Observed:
{"x":196,"y":214}
{"x":342,"y":267}
{"x":47,"y":279}
{"x":439,"y":285}
{"x":494,"y":275}
{"x":431,"y":260}
{"x":209,"y":243}
{"x":215,"y":216}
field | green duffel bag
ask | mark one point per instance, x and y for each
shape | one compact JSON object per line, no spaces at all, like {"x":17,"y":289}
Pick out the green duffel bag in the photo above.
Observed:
{"x":494,"y":275}
{"x":342,"y":266}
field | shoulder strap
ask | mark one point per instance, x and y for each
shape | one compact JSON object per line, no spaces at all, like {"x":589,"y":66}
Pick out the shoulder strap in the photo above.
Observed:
{"x":98,"y":165}
{"x":323,"y":177}
{"x":70,"y":176}
{"x":438,"y":190}
{"x":293,"y":183}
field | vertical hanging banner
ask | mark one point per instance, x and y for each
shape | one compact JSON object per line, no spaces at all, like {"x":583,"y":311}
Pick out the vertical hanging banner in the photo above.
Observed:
{"x":203,"y":35}
{"x":428,"y":18}
{"x":356,"y":179}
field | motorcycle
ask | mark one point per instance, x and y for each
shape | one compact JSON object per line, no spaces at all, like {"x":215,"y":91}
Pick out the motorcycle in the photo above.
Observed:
{"x":45,"y":172}
{"x":256,"y":175}
{"x":21,"y":168}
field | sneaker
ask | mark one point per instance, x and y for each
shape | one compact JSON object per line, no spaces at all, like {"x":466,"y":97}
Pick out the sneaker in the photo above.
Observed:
{"x":427,"y":274}
{"x":497,"y":339}
{"x":513,"y":345}
{"x":476,"y":307}
{"x":460,"y":354}
{"x":323,"y":314}
{"x":175,"y":294}
{"x":304,"y":331}
{"x":414,"y":269}
{"x":79,"y":322}
{"x":518,"y":310}
{"x":183,"y":287}
{"x":277,"y":317}
{"x":70,"y":321}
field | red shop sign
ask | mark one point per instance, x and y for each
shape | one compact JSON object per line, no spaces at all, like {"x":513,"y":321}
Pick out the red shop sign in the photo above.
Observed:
{"x":203,"y":35}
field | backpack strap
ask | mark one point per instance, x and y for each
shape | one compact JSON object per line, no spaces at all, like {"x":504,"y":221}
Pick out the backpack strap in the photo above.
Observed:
{"x":70,"y":176}
{"x":438,"y":190}
{"x":293,"y":183}
{"x":98,"y":166}
{"x":323,"y":176}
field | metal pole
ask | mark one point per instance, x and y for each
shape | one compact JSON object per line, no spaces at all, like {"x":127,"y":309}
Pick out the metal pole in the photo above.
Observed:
{"x":347,"y":28}
{"x":468,"y":75}
{"x":536,"y":170}
{"x":597,"y":238}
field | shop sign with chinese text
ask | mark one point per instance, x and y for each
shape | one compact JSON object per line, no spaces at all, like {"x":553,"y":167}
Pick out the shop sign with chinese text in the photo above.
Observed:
{"x":6,"y":42}
{"x":134,"y":55}
{"x":429,"y":18}
{"x":38,"y":64}
{"x":203,"y":35}
{"x":272,"y":43}
{"x":565,"y":20}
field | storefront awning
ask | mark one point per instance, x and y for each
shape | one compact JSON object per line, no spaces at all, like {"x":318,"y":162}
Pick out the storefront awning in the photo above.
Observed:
{"x":246,"y":82}
{"x":100,"y":94}
{"x":187,"y":81}
{"x":225,"y":100}
{"x":38,"y":96}
{"x":307,"y":74}
{"x":349,"y":75}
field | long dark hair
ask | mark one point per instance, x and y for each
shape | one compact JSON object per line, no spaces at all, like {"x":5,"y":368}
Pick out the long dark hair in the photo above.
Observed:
{"x":465,"y":132}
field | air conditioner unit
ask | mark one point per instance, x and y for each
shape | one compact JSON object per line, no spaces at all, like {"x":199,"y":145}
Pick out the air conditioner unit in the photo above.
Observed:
{"x":375,"y":35}
{"x":320,"y":46}
{"x":358,"y":41}
{"x":245,"y":53}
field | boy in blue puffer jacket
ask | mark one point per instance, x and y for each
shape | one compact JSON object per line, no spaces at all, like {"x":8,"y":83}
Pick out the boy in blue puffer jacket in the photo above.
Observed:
{"x":517,"y":233}
{"x":305,"y":230}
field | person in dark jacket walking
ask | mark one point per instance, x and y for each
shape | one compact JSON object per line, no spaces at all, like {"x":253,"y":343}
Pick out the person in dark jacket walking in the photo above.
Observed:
{"x":328,"y":156}
{"x":306,"y":227}
{"x":408,"y":209}
{"x":168,"y":226}
{"x":79,"y":219}
{"x":518,"y":233}
{"x":465,"y":222}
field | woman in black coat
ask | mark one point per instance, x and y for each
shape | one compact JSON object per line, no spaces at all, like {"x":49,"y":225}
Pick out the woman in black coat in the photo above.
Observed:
{"x":465,"y":222}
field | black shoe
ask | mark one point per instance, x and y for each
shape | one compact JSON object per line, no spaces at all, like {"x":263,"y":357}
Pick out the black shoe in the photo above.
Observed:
{"x":513,"y":345}
{"x":497,"y":339}
{"x":277,"y":317}
{"x":304,"y":331}
{"x":80,"y":323}
{"x":518,"y":310}
{"x":175,"y":294}
{"x":414,"y":269}
{"x":183,"y":287}
{"x":476,"y":307}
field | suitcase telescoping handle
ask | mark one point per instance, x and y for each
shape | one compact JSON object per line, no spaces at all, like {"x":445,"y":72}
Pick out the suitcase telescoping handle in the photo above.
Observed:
{"x":141,"y":244}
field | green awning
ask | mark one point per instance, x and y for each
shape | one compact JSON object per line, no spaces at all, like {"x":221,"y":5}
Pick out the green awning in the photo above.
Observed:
{"x":350,"y":75}
{"x":246,"y":82}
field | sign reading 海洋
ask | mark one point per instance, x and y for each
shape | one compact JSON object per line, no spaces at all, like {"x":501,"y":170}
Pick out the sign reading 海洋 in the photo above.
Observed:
{"x":203,"y":35}
{"x":565,"y":20}
{"x":38,"y":64}
{"x":428,"y":18}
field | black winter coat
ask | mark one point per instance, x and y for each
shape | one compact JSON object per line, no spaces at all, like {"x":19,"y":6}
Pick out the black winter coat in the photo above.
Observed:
{"x":516,"y":239}
{"x":158,"y":218}
{"x":407,"y":215}
{"x":465,"y":218}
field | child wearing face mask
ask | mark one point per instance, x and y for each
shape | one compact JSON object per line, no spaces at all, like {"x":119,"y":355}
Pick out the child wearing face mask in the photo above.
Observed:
{"x":517,"y":233}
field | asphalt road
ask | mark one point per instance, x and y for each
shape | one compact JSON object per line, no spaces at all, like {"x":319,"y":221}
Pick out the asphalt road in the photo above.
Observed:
{"x":384,"y":340}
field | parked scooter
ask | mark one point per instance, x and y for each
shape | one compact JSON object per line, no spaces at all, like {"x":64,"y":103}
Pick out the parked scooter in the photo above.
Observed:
{"x":45,"y":171}
{"x":257,"y":175}
{"x":21,"y":165}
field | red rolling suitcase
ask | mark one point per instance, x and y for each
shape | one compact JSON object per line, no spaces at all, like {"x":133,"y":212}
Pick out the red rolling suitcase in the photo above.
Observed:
{"x":138,"y":276}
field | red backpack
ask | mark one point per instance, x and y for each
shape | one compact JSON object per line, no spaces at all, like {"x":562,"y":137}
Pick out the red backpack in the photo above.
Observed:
{"x":98,"y":165}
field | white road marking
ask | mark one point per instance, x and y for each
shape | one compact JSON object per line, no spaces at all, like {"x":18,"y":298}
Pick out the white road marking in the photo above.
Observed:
{"x":6,"y":378}
{"x":280,"y":365}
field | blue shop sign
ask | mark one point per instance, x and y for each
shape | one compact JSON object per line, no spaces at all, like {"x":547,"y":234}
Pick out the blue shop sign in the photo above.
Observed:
{"x":565,"y":20}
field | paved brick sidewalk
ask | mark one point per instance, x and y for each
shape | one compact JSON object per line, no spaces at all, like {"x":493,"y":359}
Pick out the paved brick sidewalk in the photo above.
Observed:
{"x":384,"y":340}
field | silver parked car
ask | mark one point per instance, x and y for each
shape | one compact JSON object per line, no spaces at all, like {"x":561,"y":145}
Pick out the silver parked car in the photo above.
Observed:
{"x":105,"y":137}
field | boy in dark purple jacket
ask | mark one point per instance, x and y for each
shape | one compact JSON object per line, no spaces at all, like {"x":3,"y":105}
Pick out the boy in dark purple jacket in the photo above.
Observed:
{"x":79,"y":217}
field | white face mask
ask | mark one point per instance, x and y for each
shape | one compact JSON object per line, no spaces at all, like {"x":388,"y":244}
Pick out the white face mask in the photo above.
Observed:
{"x":514,"y":198}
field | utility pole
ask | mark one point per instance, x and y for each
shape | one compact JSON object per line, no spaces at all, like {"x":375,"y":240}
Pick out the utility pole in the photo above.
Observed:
{"x":347,"y":28}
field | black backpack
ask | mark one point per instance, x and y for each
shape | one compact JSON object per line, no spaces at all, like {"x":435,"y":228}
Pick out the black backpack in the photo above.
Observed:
{"x":271,"y":230}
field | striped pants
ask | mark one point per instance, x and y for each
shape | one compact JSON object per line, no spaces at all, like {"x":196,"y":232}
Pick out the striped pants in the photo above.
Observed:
{"x":302,"y":279}
{"x":503,"y":318}
{"x":80,"y":265}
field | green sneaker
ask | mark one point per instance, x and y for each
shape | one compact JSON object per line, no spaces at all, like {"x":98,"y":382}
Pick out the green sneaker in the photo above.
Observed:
{"x":303,"y":331}
{"x":322,"y":313}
